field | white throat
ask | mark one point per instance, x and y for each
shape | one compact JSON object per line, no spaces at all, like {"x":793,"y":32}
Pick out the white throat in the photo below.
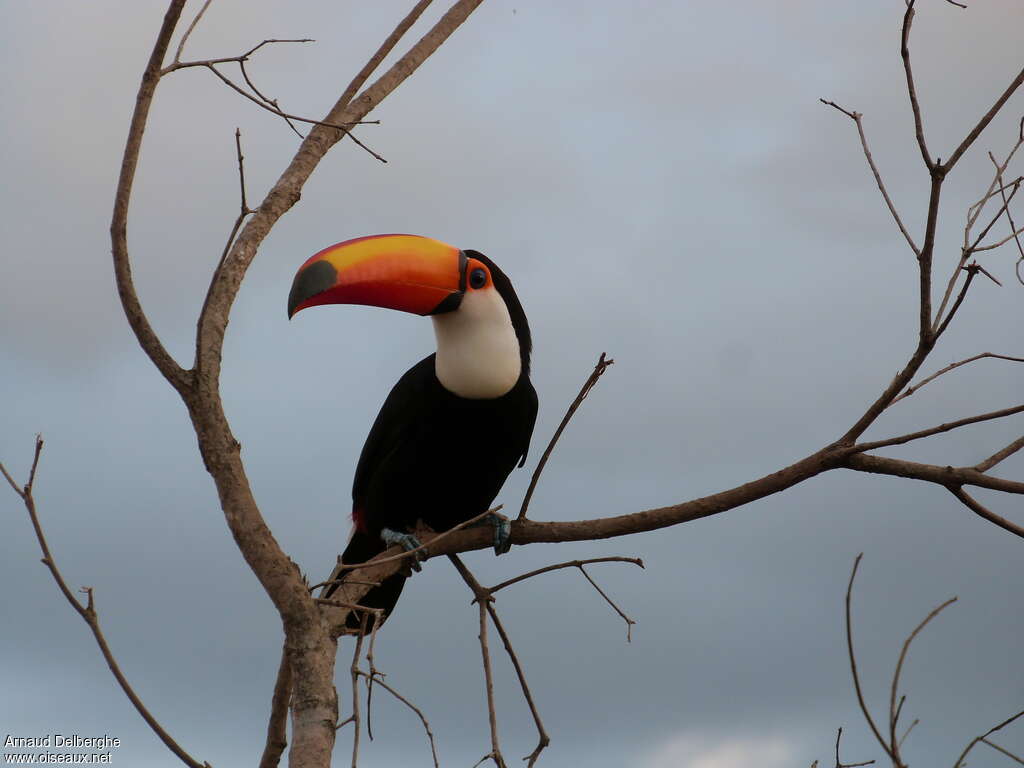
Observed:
{"x":477,"y":348}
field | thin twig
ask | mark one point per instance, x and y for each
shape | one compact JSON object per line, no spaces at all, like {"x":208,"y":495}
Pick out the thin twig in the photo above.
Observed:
{"x":354,"y":672}
{"x":982,"y":511}
{"x":271,"y":102}
{"x":907,"y":732}
{"x":629,"y":622}
{"x":853,"y":663}
{"x":908,"y":19}
{"x":378,"y":619}
{"x":1014,"y":235}
{"x":492,"y":716}
{"x":893,"y":692}
{"x":1002,"y":192}
{"x":277,"y":727}
{"x":175,"y":65}
{"x":346,"y":128}
{"x":947,"y":427}
{"x":244,"y":211}
{"x":840,"y":763}
{"x":1000,"y":455}
{"x":599,"y":369}
{"x":1006,"y":752}
{"x":971,"y":270}
{"x":567,"y":564}
{"x":973,"y":212}
{"x":88,"y":611}
{"x":912,"y":389}
{"x":1004,"y":208}
{"x":984,"y":736}
{"x":543,"y":740}
{"x":376,"y":680}
{"x":995,"y":186}
{"x":985,"y":120}
{"x":188,"y":32}
{"x":856,"y":117}
{"x":483,"y":598}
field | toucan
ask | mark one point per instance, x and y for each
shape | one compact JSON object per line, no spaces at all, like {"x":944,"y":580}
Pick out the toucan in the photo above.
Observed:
{"x":457,"y":422}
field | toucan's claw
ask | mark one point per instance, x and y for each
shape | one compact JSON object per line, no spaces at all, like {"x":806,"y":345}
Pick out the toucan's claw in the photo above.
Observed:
{"x":502,"y":531}
{"x":408,"y":542}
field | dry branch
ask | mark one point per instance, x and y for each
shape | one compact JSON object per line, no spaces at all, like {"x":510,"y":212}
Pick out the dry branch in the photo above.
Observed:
{"x":856,"y":117}
{"x":88,"y":611}
{"x":839,"y":762}
{"x":952,"y":366}
{"x":982,"y":511}
{"x":277,"y":726}
{"x":376,"y":679}
{"x":599,"y":369}
{"x":984,"y":737}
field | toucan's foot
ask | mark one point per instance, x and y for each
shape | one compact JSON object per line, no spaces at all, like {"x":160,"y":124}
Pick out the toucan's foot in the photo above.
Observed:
{"x":408,"y":542}
{"x":502,"y":531}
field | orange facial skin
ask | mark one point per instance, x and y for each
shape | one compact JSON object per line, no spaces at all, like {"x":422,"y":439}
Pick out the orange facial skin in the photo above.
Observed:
{"x":404,"y":272}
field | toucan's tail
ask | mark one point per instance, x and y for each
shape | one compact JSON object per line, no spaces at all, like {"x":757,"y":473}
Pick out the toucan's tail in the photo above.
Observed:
{"x":361,"y":547}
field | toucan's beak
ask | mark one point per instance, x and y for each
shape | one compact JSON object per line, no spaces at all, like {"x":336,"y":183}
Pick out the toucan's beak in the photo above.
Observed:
{"x":404,"y":272}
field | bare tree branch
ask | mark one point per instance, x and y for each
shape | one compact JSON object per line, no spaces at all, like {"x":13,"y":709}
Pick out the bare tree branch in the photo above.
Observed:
{"x":599,"y":369}
{"x":908,"y":19}
{"x":277,"y":726}
{"x":856,"y":117}
{"x":354,"y":718}
{"x":1006,"y":752}
{"x":971,"y":270}
{"x":179,"y":378}
{"x":979,"y":509}
{"x":983,"y":123}
{"x":853,"y":664}
{"x":88,"y":611}
{"x":567,"y":564}
{"x":543,"y":740}
{"x":483,"y":598}
{"x":861,"y":447}
{"x":984,"y":737}
{"x":912,"y":389}
{"x":840,"y":763}
{"x":629,"y":622}
{"x":1000,"y":455}
{"x":188,"y":32}
{"x":377,"y":680}
{"x":894,"y":711}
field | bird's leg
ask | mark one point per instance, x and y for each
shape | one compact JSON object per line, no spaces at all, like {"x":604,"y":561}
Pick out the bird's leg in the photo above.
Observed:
{"x":408,"y":542}
{"x":502,"y":531}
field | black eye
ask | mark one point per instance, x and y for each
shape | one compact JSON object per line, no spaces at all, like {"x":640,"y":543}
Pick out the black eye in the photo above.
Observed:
{"x":478,"y":278}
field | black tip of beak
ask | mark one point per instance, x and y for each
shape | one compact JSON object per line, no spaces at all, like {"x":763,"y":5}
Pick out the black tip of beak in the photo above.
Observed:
{"x":316,"y":278}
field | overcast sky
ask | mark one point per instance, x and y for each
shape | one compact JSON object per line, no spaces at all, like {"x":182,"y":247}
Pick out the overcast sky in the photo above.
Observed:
{"x":661,"y":183}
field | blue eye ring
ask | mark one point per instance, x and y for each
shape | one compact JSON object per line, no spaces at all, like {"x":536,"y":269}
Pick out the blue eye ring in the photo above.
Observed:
{"x":478,"y":278}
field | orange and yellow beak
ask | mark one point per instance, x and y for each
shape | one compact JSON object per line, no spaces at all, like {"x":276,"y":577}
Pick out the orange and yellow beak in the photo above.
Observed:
{"x":405,"y":272}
